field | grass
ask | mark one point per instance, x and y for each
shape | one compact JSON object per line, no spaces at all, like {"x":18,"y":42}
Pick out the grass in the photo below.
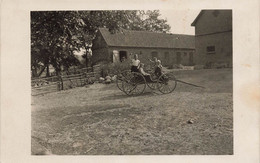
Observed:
{"x":102,"y":120}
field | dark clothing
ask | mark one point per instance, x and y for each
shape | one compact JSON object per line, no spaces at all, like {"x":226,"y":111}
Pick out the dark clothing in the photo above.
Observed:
{"x":134,"y":69}
{"x":148,"y":78}
{"x":158,"y":71}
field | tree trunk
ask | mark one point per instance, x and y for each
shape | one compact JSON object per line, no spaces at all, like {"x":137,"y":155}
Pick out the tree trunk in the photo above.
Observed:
{"x":58,"y":70}
{"x":48,"y":71}
{"x":86,"y":60}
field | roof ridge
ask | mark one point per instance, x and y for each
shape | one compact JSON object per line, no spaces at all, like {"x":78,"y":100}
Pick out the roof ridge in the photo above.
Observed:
{"x":150,"y":32}
{"x":136,"y":38}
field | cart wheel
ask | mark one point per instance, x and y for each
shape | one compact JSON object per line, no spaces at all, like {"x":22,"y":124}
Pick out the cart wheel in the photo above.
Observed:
{"x":166,"y":83}
{"x":153,"y":84}
{"x":119,"y":83}
{"x":134,"y":84}
{"x":120,"y":77}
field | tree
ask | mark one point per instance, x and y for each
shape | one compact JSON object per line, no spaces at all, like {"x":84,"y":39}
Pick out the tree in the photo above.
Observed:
{"x":55,"y":35}
{"x":147,"y":21}
{"x":53,"y":38}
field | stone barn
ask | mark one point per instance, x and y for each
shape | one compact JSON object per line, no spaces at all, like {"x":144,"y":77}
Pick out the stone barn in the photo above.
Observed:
{"x":169,"y":48}
{"x":213,"y":37}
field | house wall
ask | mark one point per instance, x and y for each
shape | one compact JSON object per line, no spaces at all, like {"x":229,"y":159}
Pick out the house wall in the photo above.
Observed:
{"x":100,"y":55}
{"x":146,"y":53}
{"x":101,"y":52}
{"x":212,"y":21}
{"x":223,"y":49}
{"x":99,"y":49}
{"x":214,"y":28}
{"x":98,"y":42}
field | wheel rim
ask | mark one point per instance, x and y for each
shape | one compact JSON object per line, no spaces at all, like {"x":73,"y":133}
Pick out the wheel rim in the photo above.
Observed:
{"x":166,"y":83}
{"x":120,"y":78}
{"x":134,"y":84}
{"x":119,"y":83}
{"x":152,"y":85}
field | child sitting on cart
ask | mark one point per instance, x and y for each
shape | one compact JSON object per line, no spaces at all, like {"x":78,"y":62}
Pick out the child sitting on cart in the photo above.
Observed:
{"x":154,"y":62}
{"x":147,"y":76}
{"x":158,"y":69}
{"x":157,"y":65}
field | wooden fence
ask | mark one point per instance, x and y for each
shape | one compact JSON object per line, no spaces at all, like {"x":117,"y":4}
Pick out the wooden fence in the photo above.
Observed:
{"x":45,"y":85}
{"x":57,"y":83}
{"x":76,"y":80}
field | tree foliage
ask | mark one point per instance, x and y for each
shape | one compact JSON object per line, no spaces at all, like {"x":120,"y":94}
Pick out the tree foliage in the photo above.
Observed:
{"x":56,"y":34}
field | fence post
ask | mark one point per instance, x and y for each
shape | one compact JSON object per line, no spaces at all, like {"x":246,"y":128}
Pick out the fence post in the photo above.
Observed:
{"x":61,"y":81}
{"x":85,"y":80}
{"x":80,"y":79}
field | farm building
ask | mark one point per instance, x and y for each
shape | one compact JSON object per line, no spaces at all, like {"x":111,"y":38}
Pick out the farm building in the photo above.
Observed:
{"x":169,"y":48}
{"x":213,"y":37}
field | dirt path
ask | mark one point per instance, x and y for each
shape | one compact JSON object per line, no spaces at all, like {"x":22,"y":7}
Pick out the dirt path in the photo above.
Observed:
{"x":102,"y":120}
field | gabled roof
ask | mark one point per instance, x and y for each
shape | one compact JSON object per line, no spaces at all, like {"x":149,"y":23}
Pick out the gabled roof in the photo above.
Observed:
{"x":196,"y":19}
{"x":128,"y":38}
{"x":202,"y":12}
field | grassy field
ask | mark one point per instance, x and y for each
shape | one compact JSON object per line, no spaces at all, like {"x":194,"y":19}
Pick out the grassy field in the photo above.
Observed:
{"x":102,"y":120}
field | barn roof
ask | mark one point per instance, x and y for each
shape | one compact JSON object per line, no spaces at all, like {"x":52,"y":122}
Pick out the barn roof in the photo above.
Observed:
{"x":203,"y":12}
{"x":197,"y":18}
{"x":128,"y":38}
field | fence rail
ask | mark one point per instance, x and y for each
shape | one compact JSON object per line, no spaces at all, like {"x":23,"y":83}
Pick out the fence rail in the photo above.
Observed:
{"x":63,"y":82}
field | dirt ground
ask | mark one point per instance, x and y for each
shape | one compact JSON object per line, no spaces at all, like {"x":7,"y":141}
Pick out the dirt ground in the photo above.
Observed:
{"x":102,"y":120}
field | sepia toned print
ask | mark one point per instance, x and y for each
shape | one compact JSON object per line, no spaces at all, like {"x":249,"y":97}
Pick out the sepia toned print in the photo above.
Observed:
{"x":124,"y":83}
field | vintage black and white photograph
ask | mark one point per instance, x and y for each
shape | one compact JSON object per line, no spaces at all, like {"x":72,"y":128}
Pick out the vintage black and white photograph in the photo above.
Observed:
{"x":131,"y":82}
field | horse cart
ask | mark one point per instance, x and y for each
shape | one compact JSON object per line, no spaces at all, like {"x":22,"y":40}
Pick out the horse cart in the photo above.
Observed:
{"x":134,"y":83}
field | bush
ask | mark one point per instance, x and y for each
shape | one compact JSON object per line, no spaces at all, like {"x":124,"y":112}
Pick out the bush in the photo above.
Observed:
{"x":198,"y":67}
{"x":114,"y":68}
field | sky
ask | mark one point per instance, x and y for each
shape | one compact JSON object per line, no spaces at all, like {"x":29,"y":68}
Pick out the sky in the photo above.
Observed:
{"x":180,"y":20}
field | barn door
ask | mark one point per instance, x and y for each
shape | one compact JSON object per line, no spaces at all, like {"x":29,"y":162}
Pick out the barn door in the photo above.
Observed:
{"x":178,"y":58}
{"x":115,"y":56}
{"x":190,"y":58}
{"x":122,"y":56}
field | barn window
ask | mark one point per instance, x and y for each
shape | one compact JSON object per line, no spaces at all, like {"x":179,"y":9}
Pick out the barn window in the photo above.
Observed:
{"x":166,"y":55}
{"x":185,"y":54}
{"x":154,"y":54}
{"x":178,"y":59}
{"x":211,"y":50}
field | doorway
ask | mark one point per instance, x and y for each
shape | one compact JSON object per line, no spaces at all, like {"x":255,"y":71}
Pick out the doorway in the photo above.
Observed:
{"x":191,"y":59}
{"x":122,"y":56}
{"x":178,"y":58}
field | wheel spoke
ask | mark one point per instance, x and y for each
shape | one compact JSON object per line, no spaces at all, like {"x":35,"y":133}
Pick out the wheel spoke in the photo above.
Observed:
{"x":166,"y":83}
{"x":133,"y":83}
